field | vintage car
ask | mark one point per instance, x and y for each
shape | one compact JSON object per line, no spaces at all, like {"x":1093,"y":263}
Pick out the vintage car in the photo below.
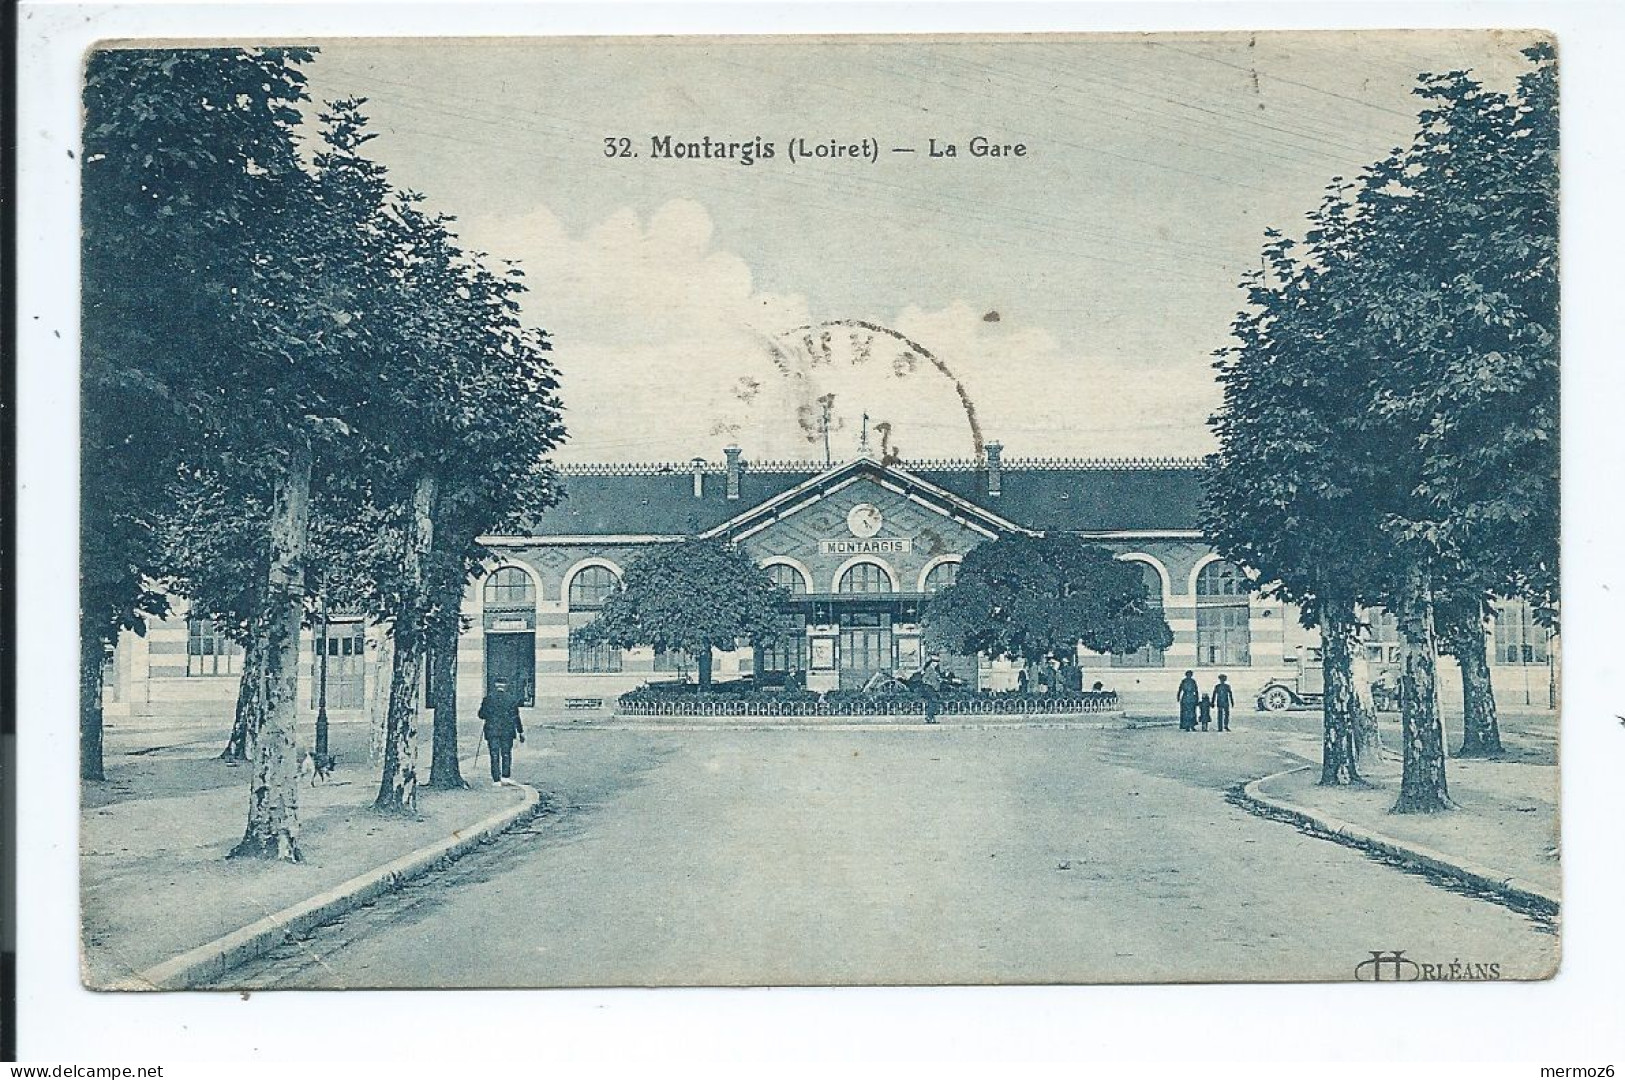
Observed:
{"x":1307,"y":687}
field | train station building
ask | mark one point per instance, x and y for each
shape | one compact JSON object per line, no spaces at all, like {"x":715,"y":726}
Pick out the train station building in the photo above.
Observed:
{"x":858,"y":546}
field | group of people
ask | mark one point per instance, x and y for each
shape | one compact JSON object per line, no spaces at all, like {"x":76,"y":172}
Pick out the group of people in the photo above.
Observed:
{"x":1196,"y":707}
{"x":1051,"y":677}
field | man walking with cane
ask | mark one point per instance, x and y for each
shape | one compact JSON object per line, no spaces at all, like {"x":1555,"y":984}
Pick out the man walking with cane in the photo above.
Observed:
{"x":500,"y":711}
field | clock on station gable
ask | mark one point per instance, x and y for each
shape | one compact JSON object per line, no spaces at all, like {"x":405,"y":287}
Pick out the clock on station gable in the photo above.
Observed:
{"x":864,"y":520}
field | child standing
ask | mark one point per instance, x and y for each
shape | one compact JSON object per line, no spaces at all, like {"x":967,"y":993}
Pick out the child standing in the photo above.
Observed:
{"x":1204,"y":709}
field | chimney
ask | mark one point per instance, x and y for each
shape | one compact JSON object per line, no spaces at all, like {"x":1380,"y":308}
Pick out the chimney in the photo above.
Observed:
{"x":735,"y":467}
{"x":994,"y":477}
{"x":698,"y":465}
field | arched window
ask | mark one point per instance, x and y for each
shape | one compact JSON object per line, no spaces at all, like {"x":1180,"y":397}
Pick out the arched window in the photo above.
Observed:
{"x":941,"y":576}
{"x":509,"y":587}
{"x":592,"y":585}
{"x":1149,"y":656}
{"x":788,"y":578}
{"x":588,"y":590}
{"x":1220,"y":579}
{"x":1223,"y":636}
{"x":864,"y":578}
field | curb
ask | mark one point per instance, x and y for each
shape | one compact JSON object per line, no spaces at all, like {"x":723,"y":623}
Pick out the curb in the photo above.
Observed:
{"x":207,"y":963}
{"x":1349,"y":834}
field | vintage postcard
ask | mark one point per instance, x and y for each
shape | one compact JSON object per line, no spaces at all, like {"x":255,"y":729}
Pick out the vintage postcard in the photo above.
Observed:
{"x":593,"y":512}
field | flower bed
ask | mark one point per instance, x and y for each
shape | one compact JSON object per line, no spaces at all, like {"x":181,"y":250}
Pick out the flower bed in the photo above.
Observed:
{"x":649,"y":701}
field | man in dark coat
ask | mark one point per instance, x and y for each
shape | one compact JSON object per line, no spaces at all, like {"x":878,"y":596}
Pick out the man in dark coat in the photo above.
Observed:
{"x":1223,"y":698}
{"x":1188,"y":695}
{"x":932,"y":680}
{"x":500,"y":711}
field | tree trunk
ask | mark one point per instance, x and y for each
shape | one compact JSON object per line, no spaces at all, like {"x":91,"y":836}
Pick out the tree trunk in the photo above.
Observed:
{"x":1480,"y":731}
{"x":1367,"y":735}
{"x":383,"y":667}
{"x":92,"y":665}
{"x":1422,"y":788}
{"x":444,"y":768}
{"x":1340,"y":706}
{"x":704,"y":662}
{"x":273,"y":802}
{"x":398,"y":787}
{"x":245,"y":723}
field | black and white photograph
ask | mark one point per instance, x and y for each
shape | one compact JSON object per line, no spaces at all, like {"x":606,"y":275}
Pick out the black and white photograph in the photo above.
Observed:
{"x":963,"y":536}
{"x":796,"y":515}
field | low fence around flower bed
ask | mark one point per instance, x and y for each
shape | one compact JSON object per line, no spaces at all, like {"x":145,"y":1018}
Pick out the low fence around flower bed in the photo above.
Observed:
{"x":889,"y":705}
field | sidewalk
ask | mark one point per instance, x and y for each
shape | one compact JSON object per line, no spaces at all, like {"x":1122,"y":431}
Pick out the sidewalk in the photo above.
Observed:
{"x":154,"y":880}
{"x":1504,"y":829}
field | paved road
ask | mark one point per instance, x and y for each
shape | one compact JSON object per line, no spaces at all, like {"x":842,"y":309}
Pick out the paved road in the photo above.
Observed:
{"x":925,"y":855}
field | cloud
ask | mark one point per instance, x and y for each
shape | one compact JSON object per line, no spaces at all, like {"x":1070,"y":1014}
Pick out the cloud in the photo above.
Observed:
{"x":667,"y":350}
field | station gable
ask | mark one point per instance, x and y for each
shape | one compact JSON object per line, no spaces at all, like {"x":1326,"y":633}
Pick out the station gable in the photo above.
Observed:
{"x":872,"y":516}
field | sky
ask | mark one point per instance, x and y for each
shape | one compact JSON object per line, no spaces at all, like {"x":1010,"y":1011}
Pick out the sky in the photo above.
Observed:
{"x":1065,"y":302}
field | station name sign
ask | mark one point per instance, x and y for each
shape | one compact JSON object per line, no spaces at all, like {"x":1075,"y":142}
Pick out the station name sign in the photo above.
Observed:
{"x":899,"y":546}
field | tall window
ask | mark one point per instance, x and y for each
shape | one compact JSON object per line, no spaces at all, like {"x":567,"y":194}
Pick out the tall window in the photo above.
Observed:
{"x":209,"y":651}
{"x":1519,"y":639}
{"x":788,"y":578}
{"x":509,"y":587}
{"x":592,"y":585}
{"x":1223,"y":637}
{"x":864,"y":578}
{"x":941,"y":576}
{"x":1382,"y":647}
{"x":787,"y":652}
{"x":346,"y":655}
{"x":1148,"y":656}
{"x":588,"y":590}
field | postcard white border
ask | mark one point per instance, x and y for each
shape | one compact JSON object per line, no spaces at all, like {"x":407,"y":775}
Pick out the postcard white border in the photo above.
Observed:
{"x":1572,"y":1020}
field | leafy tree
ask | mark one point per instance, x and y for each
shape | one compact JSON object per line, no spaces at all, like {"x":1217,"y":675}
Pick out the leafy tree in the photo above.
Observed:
{"x":1281,"y":495}
{"x":1389,"y":432}
{"x":1459,"y":294}
{"x":214,"y":537}
{"x":1491,"y":471}
{"x":1030,"y":598}
{"x":696,"y":596}
{"x":494,"y":477}
{"x":511,"y":489}
{"x":472,"y":416}
{"x":181,"y":151}
{"x":314,"y":325}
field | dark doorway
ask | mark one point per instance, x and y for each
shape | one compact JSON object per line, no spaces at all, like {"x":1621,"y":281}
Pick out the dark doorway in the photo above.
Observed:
{"x":512,"y":657}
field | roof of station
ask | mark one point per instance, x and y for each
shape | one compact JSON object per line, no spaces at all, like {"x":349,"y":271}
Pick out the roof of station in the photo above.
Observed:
{"x":1043,"y":495}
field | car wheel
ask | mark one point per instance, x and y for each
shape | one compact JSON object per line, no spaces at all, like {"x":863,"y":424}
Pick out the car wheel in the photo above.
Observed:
{"x":1275,"y":699}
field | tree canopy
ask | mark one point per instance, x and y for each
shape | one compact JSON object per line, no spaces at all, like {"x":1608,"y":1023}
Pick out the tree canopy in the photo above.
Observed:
{"x":695,"y":595}
{"x":293,"y":373}
{"x":1029,"y":598}
{"x":1390,"y":421}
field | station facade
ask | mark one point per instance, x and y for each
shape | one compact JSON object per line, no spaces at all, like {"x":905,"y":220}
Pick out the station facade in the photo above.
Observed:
{"x":858,"y":546}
